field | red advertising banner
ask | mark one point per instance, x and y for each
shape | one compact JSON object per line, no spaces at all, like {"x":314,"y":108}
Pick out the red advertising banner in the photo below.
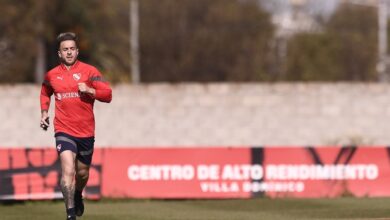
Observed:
{"x":247,"y":172}
{"x":175,"y":173}
{"x":327,"y":171}
{"x":29,"y":174}
{"x":206,"y":172}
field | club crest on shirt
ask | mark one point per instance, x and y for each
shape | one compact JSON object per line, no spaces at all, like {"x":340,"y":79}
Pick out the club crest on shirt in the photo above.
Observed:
{"x":77,"y":76}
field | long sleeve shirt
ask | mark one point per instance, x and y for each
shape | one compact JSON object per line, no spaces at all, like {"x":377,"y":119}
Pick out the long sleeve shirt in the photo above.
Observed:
{"x":74,"y":110}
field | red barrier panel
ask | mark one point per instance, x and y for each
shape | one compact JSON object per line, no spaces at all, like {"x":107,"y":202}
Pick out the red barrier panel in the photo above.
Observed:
{"x":214,"y":172}
{"x":35,"y":174}
{"x":172,"y":173}
{"x":328,"y":172}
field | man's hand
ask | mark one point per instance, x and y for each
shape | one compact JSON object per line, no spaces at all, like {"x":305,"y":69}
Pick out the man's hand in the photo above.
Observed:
{"x":45,"y":123}
{"x":83,"y":88}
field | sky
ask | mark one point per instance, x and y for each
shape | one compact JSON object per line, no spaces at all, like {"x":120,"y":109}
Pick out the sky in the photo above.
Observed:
{"x":314,"y":7}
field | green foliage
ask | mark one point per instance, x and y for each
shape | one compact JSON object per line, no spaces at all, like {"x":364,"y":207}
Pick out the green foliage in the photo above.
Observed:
{"x":16,"y":48}
{"x":102,"y":27}
{"x":203,"y":40}
{"x":187,"y":40}
{"x":103,"y":30}
{"x":345,"y":51}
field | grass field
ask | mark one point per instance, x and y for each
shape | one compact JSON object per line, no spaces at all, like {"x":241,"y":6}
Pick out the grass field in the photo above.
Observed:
{"x":254,"y":209}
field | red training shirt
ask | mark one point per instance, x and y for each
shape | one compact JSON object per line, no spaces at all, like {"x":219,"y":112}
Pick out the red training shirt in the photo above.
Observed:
{"x":73,"y":110}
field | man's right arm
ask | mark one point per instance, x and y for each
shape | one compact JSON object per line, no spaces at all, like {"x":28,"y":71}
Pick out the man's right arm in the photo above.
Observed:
{"x":44,"y":120}
{"x":46,"y":93}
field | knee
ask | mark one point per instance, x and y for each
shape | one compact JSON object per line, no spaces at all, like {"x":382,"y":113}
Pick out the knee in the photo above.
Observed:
{"x":67,"y":177}
{"x":83,"y":174}
{"x":68,"y":172}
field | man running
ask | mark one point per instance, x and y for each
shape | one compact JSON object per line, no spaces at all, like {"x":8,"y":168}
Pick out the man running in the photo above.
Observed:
{"x":76,"y":86}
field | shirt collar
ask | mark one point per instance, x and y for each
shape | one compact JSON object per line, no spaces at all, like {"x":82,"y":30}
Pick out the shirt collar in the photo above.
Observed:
{"x":72,"y":67}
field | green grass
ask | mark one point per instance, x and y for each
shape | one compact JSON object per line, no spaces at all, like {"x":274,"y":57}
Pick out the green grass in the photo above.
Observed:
{"x":253,"y":209}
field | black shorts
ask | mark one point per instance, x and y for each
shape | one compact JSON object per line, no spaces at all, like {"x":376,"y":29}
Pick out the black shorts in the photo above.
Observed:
{"x":82,"y":147}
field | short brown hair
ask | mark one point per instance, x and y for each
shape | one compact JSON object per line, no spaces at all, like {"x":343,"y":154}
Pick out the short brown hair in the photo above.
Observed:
{"x":66,"y":36}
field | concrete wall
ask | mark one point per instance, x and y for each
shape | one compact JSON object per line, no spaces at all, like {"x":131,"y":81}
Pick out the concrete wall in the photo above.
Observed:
{"x":215,"y":115}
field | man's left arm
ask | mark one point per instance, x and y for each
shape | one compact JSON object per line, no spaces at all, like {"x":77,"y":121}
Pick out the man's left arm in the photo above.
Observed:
{"x":100,"y":89}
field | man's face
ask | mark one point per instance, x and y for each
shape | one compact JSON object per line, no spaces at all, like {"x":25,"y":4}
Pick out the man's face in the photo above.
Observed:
{"x":68,"y":52}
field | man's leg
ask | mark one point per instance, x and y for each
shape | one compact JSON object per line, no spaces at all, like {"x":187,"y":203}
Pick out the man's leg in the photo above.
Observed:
{"x":82,"y":175}
{"x":68,"y":167}
{"x":83,"y":162}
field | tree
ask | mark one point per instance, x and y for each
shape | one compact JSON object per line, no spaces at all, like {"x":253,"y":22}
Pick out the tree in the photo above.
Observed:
{"x":345,"y":51}
{"x":21,"y":26}
{"x":203,"y":40}
{"x":29,"y":30}
{"x":102,"y":27}
{"x":184,"y":41}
